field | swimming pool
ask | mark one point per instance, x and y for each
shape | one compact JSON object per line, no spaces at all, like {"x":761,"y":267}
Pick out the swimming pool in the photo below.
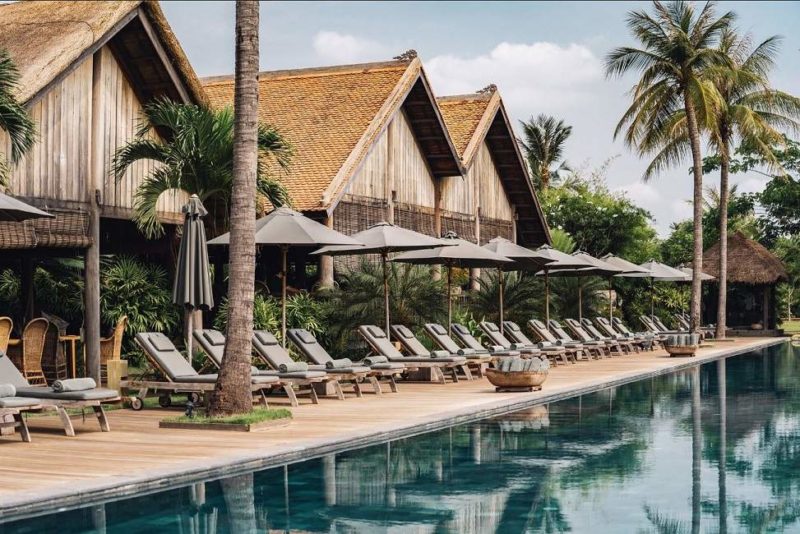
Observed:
{"x":711,"y":449}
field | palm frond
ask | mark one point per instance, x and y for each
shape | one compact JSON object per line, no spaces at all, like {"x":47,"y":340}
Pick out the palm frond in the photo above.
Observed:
{"x":14,"y":118}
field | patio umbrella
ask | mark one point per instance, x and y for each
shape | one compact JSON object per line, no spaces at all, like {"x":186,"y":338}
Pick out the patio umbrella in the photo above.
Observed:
{"x":456,"y":253}
{"x":192,"y":288}
{"x":13,"y":210}
{"x":657,"y":271}
{"x":595,"y":267}
{"x":384,"y":238}
{"x":284,"y":228}
{"x":524,"y":258}
{"x":626,"y":267}
{"x":561,"y":261}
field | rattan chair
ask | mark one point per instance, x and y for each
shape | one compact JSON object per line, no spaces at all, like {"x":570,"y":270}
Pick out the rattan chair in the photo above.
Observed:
{"x":33,"y":340}
{"x":6,"y":325}
{"x":111,"y":347}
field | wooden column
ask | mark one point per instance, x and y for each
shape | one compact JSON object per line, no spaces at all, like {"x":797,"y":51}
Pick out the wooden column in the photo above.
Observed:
{"x":91,"y":273}
{"x":326,"y":262}
{"x":765,"y":311}
{"x":436,"y":270}
{"x":475,"y":274}
{"x":389,"y":178}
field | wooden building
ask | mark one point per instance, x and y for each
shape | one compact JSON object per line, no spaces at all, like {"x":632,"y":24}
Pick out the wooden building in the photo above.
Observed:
{"x":86,"y":70}
{"x":372,"y":144}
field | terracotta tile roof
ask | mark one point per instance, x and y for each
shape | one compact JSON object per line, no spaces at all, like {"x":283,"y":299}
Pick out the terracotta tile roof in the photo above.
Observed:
{"x":326,"y":113}
{"x":462,"y":114}
{"x":45,"y":38}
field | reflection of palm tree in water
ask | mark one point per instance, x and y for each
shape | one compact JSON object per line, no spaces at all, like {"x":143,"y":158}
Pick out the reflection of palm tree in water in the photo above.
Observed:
{"x":240,"y":503}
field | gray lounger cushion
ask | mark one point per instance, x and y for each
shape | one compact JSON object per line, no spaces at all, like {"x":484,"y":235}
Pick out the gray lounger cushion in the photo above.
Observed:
{"x":297,"y":375}
{"x":212,"y":378}
{"x":160,"y":348}
{"x":41,"y":392}
{"x":7,"y":390}
{"x":74,"y":384}
{"x":17,"y":402}
{"x":9,"y":374}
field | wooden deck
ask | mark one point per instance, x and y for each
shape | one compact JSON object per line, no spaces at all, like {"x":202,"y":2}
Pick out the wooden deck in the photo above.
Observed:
{"x":136,"y":455}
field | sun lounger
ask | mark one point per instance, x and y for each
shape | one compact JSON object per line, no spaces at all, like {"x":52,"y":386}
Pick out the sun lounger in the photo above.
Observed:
{"x":412,"y":345}
{"x":51,"y":399}
{"x":639,"y":341}
{"x":515,"y":334}
{"x":651,"y":326}
{"x":476,"y":359}
{"x":496,"y":337}
{"x":310,"y":348}
{"x":271,"y":352}
{"x":377,"y":340}
{"x":13,"y":409}
{"x":179,"y":376}
{"x":468,"y":340}
{"x":595,"y":348}
{"x":622,"y":343}
{"x":583,"y":336}
{"x":622,"y":327}
{"x":546,"y":336}
{"x":708,"y":330}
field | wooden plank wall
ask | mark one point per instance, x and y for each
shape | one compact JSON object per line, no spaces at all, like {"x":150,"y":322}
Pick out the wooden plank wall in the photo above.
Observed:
{"x":56,"y":170}
{"x":492,"y":198}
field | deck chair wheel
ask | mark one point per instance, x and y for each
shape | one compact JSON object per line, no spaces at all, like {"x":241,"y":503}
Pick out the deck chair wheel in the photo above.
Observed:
{"x":136,"y":404}
{"x":165,"y":401}
{"x":193,"y":397}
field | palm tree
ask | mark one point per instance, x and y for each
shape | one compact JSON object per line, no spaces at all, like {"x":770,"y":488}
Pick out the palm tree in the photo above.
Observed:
{"x":751,"y":113}
{"x":678,"y":46}
{"x":196,"y":156}
{"x":232,"y":391}
{"x":543,"y":144}
{"x":14,"y":118}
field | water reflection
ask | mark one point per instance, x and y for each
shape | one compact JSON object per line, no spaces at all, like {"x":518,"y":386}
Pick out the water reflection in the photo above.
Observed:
{"x":714,"y":448}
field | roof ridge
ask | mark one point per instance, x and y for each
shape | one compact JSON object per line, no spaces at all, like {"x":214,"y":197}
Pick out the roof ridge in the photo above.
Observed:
{"x":311,"y":72}
{"x":465,"y":96}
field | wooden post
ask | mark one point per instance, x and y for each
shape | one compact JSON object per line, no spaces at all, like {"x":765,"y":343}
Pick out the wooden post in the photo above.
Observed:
{"x":436,"y":270}
{"x":91,"y":273}
{"x":389,"y":191}
{"x":475,"y":274}
{"x":765,"y":311}
{"x":326,"y":262}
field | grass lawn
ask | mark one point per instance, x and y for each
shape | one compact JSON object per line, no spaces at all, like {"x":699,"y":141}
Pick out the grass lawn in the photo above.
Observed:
{"x":791,"y":327}
{"x":258,"y":415}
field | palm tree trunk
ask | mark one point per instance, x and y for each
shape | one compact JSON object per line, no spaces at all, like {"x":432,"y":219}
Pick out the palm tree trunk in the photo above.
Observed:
{"x":697,"y":168}
{"x":724,"y":196}
{"x":232,"y":391}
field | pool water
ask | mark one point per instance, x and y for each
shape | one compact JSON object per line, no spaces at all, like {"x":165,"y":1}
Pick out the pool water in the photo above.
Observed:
{"x":711,"y":449}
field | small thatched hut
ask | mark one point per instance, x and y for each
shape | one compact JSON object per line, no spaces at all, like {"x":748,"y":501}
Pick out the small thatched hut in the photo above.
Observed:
{"x":753,"y":272}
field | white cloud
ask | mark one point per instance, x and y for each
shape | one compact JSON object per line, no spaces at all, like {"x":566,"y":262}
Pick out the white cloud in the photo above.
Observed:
{"x":335,"y":47}
{"x":541,"y":75}
{"x":641,"y":194}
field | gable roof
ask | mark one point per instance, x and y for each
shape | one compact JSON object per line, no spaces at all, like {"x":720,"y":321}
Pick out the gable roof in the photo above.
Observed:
{"x":475,"y":118}
{"x":48,"y":39}
{"x":332,"y":116}
{"x":749,"y":262}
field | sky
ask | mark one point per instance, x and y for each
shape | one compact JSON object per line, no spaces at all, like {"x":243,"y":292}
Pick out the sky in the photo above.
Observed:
{"x":545,"y":57}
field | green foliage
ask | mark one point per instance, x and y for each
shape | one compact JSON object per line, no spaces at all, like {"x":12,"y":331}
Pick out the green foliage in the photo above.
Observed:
{"x":14,"y":118}
{"x":543,"y":143}
{"x":466,"y":317}
{"x":788,"y":250}
{"x":258,"y":415}
{"x":266,"y":314}
{"x":676,"y":249}
{"x":522,"y":297}
{"x":562,"y":241}
{"x":197,"y":158}
{"x":599,"y":221}
{"x":304,"y":311}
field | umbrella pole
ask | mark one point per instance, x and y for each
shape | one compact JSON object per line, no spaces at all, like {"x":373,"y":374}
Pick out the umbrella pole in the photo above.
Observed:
{"x":384,"y":258}
{"x":501,"y":299}
{"x":547,"y":297}
{"x":190,"y":328}
{"x":610,"y":300}
{"x":652,"y":298}
{"x":284,"y":253}
{"x":580,"y":301}
{"x":449,"y":299}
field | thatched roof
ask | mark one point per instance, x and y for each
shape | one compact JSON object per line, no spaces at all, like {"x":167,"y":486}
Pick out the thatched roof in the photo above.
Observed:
{"x":480,"y":117}
{"x":749,"y":262}
{"x":46,"y":39}
{"x":333,"y":115}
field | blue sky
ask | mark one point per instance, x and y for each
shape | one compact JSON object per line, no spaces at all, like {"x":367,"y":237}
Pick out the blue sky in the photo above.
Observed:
{"x":546,"y":57}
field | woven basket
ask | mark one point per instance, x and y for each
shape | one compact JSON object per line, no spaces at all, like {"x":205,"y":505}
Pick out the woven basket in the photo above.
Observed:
{"x":516,"y":380}
{"x":681,"y":350}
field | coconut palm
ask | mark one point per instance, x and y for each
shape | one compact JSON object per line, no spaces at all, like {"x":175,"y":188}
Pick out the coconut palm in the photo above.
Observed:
{"x":231,"y":393}
{"x":543,"y":144}
{"x":14,"y":118}
{"x":678,"y":46}
{"x":195,"y":149}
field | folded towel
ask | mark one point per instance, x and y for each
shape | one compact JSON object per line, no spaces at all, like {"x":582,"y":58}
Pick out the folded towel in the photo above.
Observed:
{"x":7,"y":390}
{"x":440,"y":354}
{"x":517,"y":346}
{"x":74,"y":384}
{"x":342,"y":363}
{"x":293,"y":367}
{"x":373,"y":360}
{"x":465,"y":352}
{"x":498,"y":348}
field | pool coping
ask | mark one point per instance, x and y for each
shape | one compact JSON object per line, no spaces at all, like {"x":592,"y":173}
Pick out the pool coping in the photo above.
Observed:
{"x":28,"y":504}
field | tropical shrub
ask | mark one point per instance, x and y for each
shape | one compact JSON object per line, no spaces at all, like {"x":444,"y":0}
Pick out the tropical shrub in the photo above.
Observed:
{"x":266,"y":314}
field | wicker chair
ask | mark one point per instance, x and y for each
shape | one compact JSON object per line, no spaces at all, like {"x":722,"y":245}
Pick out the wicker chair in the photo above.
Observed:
{"x":6,"y":325}
{"x":111,"y":347}
{"x":54,"y":360}
{"x":33,"y":339}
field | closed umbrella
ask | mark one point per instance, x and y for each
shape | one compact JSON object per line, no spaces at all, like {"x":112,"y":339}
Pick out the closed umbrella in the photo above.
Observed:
{"x":625,"y":267}
{"x":456,"y":253}
{"x":384,"y":238}
{"x":524,"y":259}
{"x":13,"y":210}
{"x":284,"y":228}
{"x":656,"y":271}
{"x":561,"y":261}
{"x":596,"y":267}
{"x":192,"y":288}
